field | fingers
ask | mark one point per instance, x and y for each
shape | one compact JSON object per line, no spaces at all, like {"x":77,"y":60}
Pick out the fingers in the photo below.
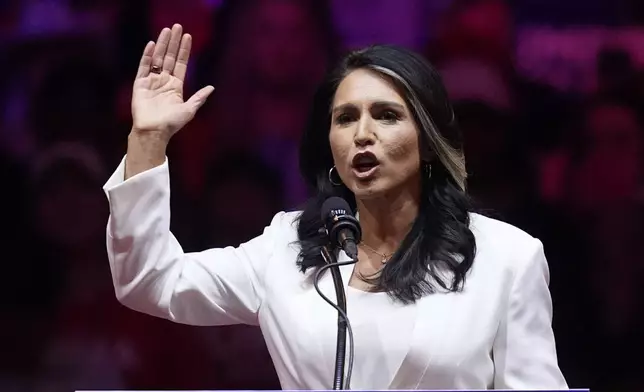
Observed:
{"x":181,"y":65}
{"x":199,"y":98}
{"x":173,"y":48}
{"x":170,"y":53}
{"x":161,"y":47}
{"x":146,"y":61}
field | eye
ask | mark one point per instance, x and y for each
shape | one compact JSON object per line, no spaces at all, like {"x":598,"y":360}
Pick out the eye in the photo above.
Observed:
{"x":389,"y":116}
{"x":343,"y":118}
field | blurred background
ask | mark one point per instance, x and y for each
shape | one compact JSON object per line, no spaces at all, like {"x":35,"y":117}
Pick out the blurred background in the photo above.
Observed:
{"x":548,"y":94}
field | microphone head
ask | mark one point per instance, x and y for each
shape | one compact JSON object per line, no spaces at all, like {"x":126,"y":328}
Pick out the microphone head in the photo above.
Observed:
{"x":341,"y":226}
{"x":334,"y":207}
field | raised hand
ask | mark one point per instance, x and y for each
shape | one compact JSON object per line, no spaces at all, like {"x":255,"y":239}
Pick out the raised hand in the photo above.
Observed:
{"x":157,"y":97}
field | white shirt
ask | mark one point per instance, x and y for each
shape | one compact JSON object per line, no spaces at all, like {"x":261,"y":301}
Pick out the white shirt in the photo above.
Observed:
{"x":496,"y":334}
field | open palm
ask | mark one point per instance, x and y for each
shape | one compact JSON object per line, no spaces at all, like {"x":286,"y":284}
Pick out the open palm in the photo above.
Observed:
{"x":157,"y":95}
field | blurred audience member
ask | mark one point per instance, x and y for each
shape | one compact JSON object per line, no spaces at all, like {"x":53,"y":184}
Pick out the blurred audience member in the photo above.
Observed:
{"x":545,"y":119}
{"x":242,"y":193}
{"x":606,"y":166}
{"x":483,"y":107}
{"x":488,"y":136}
{"x":616,"y":74}
{"x":476,"y":29}
{"x":502,"y":178}
{"x":75,"y":102}
{"x":68,"y":209}
{"x":30,"y":60}
{"x":476,"y":80}
{"x":479,"y":35}
{"x":265,"y":62}
{"x":69,"y":214}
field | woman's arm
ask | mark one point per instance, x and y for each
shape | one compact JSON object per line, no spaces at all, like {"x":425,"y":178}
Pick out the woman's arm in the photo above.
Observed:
{"x":524,"y":350}
{"x":151,"y":272}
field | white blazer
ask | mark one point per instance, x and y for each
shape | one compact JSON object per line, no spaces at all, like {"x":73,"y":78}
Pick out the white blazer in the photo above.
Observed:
{"x":496,"y":334}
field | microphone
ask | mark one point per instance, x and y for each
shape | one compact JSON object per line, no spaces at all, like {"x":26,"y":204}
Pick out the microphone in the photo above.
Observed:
{"x":343,"y":231}
{"x":341,"y":226}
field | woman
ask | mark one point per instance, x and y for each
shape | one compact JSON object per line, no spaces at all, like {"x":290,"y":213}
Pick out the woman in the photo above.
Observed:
{"x":381,"y":135}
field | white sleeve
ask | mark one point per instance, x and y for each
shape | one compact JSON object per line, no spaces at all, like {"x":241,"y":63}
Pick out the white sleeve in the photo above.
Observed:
{"x":152,"y":274}
{"x":524,"y":349}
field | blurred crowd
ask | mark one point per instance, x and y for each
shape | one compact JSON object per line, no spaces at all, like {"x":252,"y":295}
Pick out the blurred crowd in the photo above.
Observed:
{"x":566,"y":166}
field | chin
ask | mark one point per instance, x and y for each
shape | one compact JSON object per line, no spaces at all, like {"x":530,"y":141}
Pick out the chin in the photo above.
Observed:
{"x":368,"y":190}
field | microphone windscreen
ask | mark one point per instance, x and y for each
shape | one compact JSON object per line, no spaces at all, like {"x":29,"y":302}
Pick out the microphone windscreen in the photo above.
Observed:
{"x":334,"y":206}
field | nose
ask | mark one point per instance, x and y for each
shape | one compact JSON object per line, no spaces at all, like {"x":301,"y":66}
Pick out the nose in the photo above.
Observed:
{"x":364,"y":135}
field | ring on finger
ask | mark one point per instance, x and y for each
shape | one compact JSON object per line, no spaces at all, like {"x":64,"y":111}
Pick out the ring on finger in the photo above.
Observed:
{"x":155,"y":69}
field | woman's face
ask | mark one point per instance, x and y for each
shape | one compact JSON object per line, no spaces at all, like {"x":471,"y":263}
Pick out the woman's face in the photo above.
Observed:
{"x":373,"y":137}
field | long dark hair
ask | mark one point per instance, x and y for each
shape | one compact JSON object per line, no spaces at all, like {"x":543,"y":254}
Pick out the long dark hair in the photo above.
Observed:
{"x":440,"y":248}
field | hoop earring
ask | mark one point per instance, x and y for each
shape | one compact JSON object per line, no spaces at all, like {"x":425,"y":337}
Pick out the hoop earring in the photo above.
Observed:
{"x":331,"y":171}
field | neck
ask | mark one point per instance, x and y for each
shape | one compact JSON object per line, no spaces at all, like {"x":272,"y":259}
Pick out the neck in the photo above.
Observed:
{"x":386,"y":221}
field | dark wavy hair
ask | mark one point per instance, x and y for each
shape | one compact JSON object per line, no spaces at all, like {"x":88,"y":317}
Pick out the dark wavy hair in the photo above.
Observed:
{"x":439,"y":250}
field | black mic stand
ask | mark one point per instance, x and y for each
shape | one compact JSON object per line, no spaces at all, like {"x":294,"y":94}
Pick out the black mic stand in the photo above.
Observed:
{"x":341,"y":345}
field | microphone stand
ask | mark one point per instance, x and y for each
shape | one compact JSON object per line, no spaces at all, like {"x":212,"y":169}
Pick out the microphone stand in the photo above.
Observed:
{"x":341,"y":342}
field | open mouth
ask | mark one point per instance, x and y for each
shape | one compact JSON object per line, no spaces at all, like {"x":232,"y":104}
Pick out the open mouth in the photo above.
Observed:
{"x":364,"y":164}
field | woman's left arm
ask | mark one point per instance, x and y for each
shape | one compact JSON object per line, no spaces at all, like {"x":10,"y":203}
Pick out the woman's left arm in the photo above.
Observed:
{"x":524,"y":350}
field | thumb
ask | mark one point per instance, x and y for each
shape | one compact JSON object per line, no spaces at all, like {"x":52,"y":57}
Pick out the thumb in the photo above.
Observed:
{"x":199,"y":98}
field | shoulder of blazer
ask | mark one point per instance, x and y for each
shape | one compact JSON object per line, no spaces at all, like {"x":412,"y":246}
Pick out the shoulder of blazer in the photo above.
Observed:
{"x":488,"y":228}
{"x":283,"y":229}
{"x":285,"y":221}
{"x":503,"y":242}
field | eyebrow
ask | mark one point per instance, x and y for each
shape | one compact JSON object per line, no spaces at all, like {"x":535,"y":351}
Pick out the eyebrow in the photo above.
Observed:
{"x":376,"y":104}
